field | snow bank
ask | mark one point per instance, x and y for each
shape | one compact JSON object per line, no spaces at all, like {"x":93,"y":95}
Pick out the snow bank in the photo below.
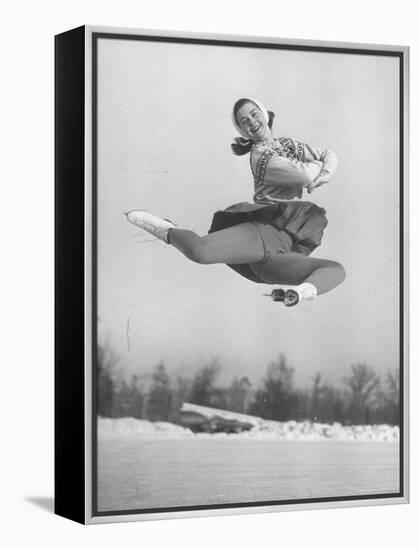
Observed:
{"x":262,"y":430}
{"x":163,"y":430}
{"x":312,"y":431}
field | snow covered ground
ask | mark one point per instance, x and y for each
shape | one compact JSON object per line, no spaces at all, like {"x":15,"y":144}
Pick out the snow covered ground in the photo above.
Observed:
{"x":262,"y":430}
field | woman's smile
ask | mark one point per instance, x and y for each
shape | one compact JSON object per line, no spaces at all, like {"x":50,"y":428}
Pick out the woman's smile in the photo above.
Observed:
{"x":254,"y":129}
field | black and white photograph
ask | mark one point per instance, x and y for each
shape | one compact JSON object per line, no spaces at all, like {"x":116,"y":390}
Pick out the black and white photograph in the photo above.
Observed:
{"x":210,"y":255}
{"x":248,"y":267}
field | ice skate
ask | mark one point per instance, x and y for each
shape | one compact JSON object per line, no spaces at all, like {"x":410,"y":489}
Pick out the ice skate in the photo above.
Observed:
{"x":291,"y":296}
{"x":158,"y":227}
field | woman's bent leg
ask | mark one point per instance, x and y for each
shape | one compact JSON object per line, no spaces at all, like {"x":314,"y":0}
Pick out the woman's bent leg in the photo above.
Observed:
{"x":240,"y":244}
{"x":294,"y":269}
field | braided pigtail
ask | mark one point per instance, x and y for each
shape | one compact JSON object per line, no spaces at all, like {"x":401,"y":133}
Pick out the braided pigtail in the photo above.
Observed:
{"x":241,"y":146}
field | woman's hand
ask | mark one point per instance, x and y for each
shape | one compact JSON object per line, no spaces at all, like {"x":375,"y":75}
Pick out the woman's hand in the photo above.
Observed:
{"x":328,"y":160}
{"x":320,"y":180}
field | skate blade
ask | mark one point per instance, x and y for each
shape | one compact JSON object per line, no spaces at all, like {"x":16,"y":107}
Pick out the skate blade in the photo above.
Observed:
{"x":288,"y":297}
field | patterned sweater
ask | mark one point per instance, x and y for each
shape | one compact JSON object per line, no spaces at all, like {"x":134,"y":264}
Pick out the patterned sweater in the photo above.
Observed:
{"x":284,"y":167}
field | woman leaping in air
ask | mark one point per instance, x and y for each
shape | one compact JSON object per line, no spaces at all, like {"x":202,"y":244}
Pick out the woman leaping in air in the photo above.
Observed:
{"x":268,"y":241}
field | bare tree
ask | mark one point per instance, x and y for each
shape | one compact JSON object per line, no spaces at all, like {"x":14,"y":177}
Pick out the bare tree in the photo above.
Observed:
{"x":362,"y":383}
{"x":203,"y":384}
{"x":159,"y":400}
{"x":277,"y":399}
{"x":238,"y":394}
{"x":392,"y":396}
{"x":316,"y":395}
{"x":106,"y":364}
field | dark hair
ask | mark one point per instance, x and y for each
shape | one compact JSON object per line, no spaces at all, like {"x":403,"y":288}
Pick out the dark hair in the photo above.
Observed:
{"x":241,"y":145}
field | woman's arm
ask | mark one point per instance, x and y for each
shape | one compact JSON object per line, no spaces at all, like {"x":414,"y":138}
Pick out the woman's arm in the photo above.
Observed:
{"x":327,"y":157}
{"x":271,"y":168}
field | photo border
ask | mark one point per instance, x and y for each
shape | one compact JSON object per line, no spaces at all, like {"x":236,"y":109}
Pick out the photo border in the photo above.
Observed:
{"x":92,"y":36}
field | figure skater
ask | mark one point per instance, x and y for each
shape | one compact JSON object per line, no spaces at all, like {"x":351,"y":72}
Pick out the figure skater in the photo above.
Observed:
{"x":268,"y":241}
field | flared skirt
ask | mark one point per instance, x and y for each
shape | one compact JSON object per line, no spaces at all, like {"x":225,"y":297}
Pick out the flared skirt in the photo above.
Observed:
{"x":289,"y":226}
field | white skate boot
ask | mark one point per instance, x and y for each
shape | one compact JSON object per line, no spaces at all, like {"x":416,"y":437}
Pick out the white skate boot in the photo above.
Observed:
{"x":293,"y":295}
{"x":158,"y":227}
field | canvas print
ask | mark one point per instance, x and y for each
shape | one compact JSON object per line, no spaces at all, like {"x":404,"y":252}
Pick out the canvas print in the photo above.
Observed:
{"x":248,"y":270}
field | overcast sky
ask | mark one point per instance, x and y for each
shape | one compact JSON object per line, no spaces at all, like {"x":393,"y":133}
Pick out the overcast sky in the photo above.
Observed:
{"x":164,"y":146}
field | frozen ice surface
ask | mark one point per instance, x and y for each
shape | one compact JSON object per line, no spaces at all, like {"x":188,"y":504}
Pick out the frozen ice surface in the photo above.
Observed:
{"x":144,"y":465}
{"x":162,"y":472}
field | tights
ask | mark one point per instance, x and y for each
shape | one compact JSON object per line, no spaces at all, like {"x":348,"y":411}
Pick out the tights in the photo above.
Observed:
{"x":242,"y":244}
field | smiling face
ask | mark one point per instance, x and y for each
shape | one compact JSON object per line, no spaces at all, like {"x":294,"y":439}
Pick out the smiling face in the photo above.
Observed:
{"x":252,"y":122}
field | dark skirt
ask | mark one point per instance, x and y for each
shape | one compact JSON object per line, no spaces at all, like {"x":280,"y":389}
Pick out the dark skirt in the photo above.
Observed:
{"x":301,"y":222}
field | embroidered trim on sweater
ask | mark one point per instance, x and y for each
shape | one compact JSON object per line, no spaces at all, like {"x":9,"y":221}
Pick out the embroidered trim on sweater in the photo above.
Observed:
{"x":261,"y":165}
{"x":290,"y":149}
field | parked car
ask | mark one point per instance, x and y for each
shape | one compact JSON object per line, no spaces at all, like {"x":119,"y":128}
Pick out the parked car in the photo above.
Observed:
{"x":198,"y":422}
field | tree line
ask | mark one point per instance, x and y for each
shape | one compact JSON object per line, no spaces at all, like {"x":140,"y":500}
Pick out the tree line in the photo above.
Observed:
{"x":364,"y":398}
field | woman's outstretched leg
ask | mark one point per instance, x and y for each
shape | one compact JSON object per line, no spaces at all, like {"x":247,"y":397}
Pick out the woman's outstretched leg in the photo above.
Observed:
{"x":297,"y":269}
{"x":240,"y":244}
